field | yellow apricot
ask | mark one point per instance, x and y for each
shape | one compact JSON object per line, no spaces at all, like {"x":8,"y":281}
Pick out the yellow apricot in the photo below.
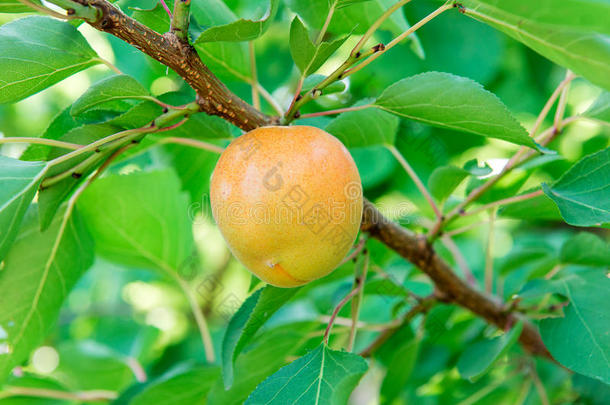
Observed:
{"x":288,"y":202}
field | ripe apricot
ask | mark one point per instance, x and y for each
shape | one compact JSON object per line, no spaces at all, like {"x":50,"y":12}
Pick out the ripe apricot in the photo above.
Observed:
{"x":288,"y":201}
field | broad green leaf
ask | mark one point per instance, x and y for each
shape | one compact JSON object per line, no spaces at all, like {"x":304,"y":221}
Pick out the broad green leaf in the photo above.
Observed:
{"x":117,"y":87}
{"x":38,"y":273}
{"x":253,"y":313}
{"x":60,"y":125}
{"x":362,"y":128}
{"x":37,"y":382}
{"x":398,"y":354}
{"x":583,"y":192}
{"x":185,"y":387}
{"x":266,"y":356}
{"x":585,"y":325}
{"x":323,"y":376}
{"x":571,"y":33}
{"x":88,"y":365}
{"x":37,"y":52}
{"x":586,"y":249}
{"x":445,"y":100}
{"x":445,"y":179}
{"x":155,"y":18}
{"x":228,"y":60}
{"x":19,"y":180}
{"x":536,"y":209}
{"x":15,"y":6}
{"x":600,"y":109}
{"x":50,"y":198}
{"x":479,"y":357}
{"x":242,"y":29}
{"x":305,"y":54}
{"x":140,"y":219}
{"x":312,"y":80}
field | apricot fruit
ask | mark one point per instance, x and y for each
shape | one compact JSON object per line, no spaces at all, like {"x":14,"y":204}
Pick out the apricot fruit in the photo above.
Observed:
{"x":288,"y":202}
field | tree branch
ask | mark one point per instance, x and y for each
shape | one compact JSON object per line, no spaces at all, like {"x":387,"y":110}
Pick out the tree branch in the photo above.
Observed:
{"x":421,"y":253}
{"x":214,"y":97}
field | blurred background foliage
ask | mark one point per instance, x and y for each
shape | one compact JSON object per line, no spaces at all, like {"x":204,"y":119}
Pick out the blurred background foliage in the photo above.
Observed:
{"x":120,"y":319}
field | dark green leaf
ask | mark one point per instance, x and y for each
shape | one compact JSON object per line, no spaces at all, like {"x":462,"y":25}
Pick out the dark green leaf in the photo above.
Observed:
{"x":454,"y":102}
{"x":587,"y":249}
{"x":571,"y":33}
{"x":37,"y":52}
{"x":253,"y":313}
{"x":362,"y":128}
{"x":242,"y":29}
{"x":585,"y":325}
{"x":478,"y":358}
{"x":399,"y":354}
{"x":39,"y":272}
{"x":445,"y":179}
{"x":19,"y":180}
{"x":116,"y":87}
{"x":140,"y":219}
{"x":583,"y":192}
{"x":186,"y":387}
{"x":322,"y":377}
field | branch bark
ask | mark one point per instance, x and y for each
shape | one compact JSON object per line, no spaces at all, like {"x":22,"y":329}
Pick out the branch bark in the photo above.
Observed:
{"x":213,"y":96}
{"x":417,"y":250}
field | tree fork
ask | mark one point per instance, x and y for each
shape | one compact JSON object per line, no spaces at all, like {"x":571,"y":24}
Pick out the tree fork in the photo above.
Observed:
{"x":212,"y":95}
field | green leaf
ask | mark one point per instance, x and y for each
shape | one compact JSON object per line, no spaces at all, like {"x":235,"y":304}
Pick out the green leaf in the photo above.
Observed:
{"x":50,"y":198}
{"x":253,"y":313}
{"x":398,"y":354}
{"x":242,"y":29}
{"x":535,"y":209}
{"x":185,"y":387}
{"x":362,"y":128}
{"x":228,"y":60}
{"x":448,"y":101}
{"x":37,"y":52}
{"x":118,"y":87}
{"x":600,"y":109}
{"x":571,"y":33}
{"x":19,"y":180}
{"x":61,"y":124}
{"x":88,"y":365}
{"x":312,"y":80}
{"x":479,"y":357}
{"x":585,"y":325}
{"x":140,"y":219}
{"x":587,"y":249}
{"x":155,"y":18}
{"x":583,"y":192}
{"x":15,"y":6}
{"x":323,"y":376}
{"x":445,"y":179}
{"x":305,"y":54}
{"x":39,"y":272}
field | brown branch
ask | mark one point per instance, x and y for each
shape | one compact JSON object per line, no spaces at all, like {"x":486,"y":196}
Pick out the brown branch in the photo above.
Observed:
{"x":417,"y":250}
{"x":213,"y":96}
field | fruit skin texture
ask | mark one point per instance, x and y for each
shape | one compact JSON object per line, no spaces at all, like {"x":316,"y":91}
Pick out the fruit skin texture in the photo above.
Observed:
{"x":288,"y":201}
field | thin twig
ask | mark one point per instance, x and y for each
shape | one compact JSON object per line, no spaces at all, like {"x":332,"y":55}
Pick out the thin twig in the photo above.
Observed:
{"x":505,"y":201}
{"x":359,"y":281}
{"x":256,"y":101}
{"x":489,"y":262}
{"x":459,"y":259}
{"x":544,"y":398}
{"x":357,"y":249}
{"x":109,"y":64}
{"x":337,"y":111}
{"x":166,"y":8}
{"x":418,"y":183}
{"x":81,"y":396}
{"x":340,"y":305}
{"x":41,"y":141}
{"x":194,"y":143}
{"x":269,"y":98}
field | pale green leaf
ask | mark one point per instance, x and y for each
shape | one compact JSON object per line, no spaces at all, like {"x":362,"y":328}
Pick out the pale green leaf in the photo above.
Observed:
{"x":117,"y":87}
{"x":19,"y":180}
{"x":242,"y":29}
{"x":587,"y":249}
{"x":362,"y":128}
{"x":571,"y":33}
{"x":583,"y":192}
{"x":39,"y":272}
{"x":37,"y":52}
{"x":253,"y":313}
{"x":15,"y":6}
{"x":184,"y":387}
{"x":445,"y":179}
{"x":600,"y":109}
{"x":585,"y":326}
{"x":445,"y":100}
{"x":479,"y":357}
{"x":140,"y":219}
